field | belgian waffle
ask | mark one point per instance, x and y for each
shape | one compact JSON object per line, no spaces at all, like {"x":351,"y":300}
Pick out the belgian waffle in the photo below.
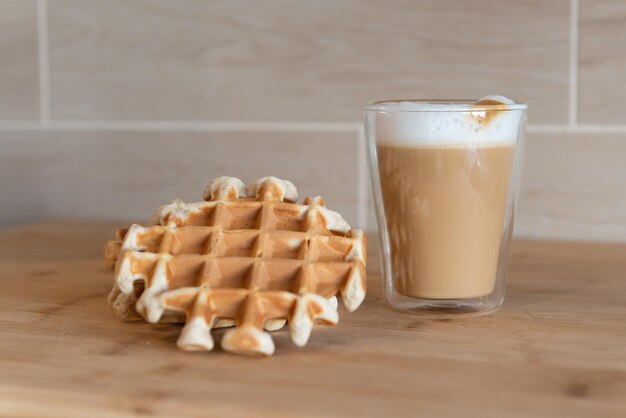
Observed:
{"x":251,"y":257}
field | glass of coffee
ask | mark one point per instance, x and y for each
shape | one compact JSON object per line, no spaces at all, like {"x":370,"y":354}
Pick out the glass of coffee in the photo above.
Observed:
{"x":445,"y":176}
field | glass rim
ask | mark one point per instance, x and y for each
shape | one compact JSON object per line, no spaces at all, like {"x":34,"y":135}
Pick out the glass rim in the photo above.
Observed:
{"x":438,"y":105}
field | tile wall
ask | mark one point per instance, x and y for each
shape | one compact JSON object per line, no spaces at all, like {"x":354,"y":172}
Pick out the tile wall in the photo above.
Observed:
{"x":109,"y":108}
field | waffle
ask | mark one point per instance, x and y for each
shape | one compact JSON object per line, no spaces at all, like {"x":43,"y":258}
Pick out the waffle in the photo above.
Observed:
{"x":249,"y":257}
{"x":112,"y":248}
{"x":251,"y":309}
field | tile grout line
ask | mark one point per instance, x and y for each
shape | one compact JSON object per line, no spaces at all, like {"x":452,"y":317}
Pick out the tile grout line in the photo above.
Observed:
{"x":44,"y":62}
{"x":578,"y":128}
{"x":202,"y":126}
{"x":363,"y":215}
{"x":573,"y":63}
{"x":251,"y":126}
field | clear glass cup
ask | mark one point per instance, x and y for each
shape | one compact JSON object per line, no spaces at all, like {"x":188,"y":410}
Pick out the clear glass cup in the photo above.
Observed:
{"x":445,"y":177}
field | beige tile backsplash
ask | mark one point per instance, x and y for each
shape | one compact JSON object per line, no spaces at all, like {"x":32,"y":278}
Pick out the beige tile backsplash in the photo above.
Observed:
{"x":602,"y":63}
{"x":574,"y":187}
{"x":149,"y":99}
{"x":127,"y":175}
{"x":307,"y":61}
{"x":19,"y":69}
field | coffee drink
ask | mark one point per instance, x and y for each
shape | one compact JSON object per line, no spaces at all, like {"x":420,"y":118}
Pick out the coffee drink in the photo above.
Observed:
{"x":445,"y":184}
{"x":445,"y":212}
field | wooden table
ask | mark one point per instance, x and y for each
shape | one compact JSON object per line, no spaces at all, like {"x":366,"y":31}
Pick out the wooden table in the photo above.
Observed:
{"x":556,"y":348}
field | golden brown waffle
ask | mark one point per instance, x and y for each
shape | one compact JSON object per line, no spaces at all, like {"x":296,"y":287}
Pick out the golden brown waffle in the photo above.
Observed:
{"x":249,"y":256}
{"x":112,"y":248}
{"x":250,"y":309}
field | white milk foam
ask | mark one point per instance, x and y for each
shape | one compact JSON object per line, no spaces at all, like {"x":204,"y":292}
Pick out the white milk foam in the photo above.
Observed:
{"x":455,"y":124}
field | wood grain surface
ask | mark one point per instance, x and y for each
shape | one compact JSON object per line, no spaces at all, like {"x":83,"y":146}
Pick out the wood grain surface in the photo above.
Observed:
{"x":556,"y":348}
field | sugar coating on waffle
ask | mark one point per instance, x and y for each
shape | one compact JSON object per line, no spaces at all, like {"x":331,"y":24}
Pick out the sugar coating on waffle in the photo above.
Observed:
{"x":247,"y":256}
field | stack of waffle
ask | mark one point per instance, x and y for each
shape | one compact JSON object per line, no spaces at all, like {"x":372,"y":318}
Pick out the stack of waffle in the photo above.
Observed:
{"x":248,"y":258}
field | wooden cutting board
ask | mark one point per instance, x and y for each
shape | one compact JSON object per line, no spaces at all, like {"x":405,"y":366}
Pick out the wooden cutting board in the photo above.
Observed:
{"x":556,"y":348}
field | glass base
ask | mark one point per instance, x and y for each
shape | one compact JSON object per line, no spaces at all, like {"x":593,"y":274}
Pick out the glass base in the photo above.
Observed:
{"x":451,"y":308}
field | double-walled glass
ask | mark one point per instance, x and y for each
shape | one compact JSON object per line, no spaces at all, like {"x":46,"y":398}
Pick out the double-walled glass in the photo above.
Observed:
{"x":445,"y":177}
